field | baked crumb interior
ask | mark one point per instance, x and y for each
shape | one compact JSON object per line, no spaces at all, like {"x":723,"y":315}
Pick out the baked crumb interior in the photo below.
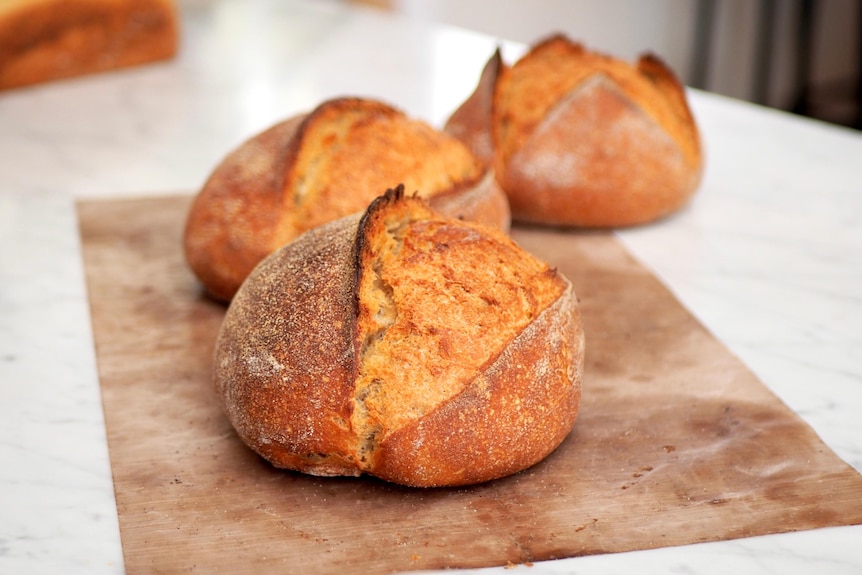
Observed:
{"x":438,"y":301}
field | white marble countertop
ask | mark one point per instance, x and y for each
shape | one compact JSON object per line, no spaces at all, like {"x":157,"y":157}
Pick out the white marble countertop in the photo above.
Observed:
{"x":768,"y":256}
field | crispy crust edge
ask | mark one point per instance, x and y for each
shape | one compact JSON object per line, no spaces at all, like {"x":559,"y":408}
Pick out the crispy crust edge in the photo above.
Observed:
{"x":514,"y":414}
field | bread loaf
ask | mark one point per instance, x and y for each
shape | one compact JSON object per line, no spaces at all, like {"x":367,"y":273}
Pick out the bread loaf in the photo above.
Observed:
{"x":44,"y":40}
{"x":403,"y":344}
{"x":578,"y":138}
{"x":321,"y":166}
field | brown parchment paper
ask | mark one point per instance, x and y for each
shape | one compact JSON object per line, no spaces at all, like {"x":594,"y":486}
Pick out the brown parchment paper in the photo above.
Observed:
{"x":677,"y":442}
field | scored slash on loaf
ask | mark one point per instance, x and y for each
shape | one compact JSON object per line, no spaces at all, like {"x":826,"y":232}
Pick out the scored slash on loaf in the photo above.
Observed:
{"x":318,"y":167}
{"x":404,"y":344}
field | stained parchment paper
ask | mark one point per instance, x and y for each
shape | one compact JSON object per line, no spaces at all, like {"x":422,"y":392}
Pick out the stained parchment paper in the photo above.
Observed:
{"x":677,"y":441}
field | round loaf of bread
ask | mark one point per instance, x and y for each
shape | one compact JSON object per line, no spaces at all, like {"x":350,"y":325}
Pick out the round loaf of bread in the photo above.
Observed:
{"x":48,"y":40}
{"x":399,"y":343}
{"x":321,"y":166}
{"x":578,"y":138}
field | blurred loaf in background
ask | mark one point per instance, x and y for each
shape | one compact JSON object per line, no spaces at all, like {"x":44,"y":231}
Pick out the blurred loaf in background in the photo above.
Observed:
{"x":46,"y":40}
{"x":580,"y":138}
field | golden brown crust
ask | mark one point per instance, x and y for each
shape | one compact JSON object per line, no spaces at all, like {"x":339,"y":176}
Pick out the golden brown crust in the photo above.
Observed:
{"x":471,"y":122}
{"x":436,"y":351}
{"x":322,"y":166}
{"x":680,"y":120}
{"x":563,"y":174}
{"x":581,"y":138}
{"x":284,"y":359}
{"x":507,"y":419}
{"x":483,"y":202}
{"x":231,"y":223}
{"x":44,"y":40}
